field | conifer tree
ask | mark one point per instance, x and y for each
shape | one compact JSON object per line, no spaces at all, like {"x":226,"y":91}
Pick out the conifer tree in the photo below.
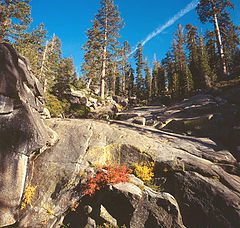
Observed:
{"x":92,"y":54}
{"x":125,"y":54}
{"x":110,"y":23}
{"x":179,"y":60}
{"x":161,"y":80}
{"x":225,"y":32}
{"x":206,"y":75}
{"x":182,"y":71}
{"x":51,"y":57}
{"x":114,"y":82}
{"x":131,"y":88}
{"x":64,"y":78}
{"x":140,"y":66}
{"x":15,"y":18}
{"x":154,"y":79}
{"x":214,"y":60}
{"x":188,"y":81}
{"x":168,"y":63}
{"x":235,"y":61}
{"x":158,"y":79}
{"x":175,"y":85}
{"x":31,"y":45}
{"x":192,"y":38}
{"x":118,"y":87}
{"x":148,"y":80}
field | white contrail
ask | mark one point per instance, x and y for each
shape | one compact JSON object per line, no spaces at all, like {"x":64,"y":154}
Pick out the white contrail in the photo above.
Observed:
{"x":171,"y":21}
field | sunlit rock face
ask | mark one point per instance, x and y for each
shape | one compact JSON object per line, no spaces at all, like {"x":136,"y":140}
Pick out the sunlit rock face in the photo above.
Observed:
{"x":199,"y":177}
{"x":22,"y":132}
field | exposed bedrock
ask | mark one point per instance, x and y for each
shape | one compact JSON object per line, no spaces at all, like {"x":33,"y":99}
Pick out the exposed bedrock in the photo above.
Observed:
{"x":22,"y":132}
{"x":199,"y":174}
{"x":199,"y":178}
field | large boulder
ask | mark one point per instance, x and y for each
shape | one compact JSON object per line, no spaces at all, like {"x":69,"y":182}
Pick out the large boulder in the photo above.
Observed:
{"x":199,"y":178}
{"x":125,"y":204}
{"x":201,"y":175}
{"x":215,"y":116}
{"x":120,"y":100}
{"x":22,"y":132}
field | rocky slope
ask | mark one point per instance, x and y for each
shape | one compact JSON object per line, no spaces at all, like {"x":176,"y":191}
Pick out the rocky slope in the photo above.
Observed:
{"x":202,"y":176}
{"x":22,"y":132}
{"x":46,"y":161}
{"x":215,"y":116}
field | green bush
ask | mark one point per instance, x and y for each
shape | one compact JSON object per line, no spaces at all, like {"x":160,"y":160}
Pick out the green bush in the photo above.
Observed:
{"x":58,"y":107}
{"x":94,"y":96}
{"x":78,"y":111}
{"x":53,"y":105}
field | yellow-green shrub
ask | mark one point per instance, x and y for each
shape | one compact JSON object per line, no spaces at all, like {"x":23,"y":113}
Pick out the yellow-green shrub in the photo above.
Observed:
{"x":28,"y":195}
{"x":53,"y":105}
{"x":144,"y":171}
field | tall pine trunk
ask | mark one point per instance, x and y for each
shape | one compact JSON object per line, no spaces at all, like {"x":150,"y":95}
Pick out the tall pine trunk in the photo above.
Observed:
{"x":42,"y":76}
{"x":114,"y":79}
{"x":89,"y":83}
{"x":219,"y":42}
{"x":124,"y":76}
{"x":103,"y":75}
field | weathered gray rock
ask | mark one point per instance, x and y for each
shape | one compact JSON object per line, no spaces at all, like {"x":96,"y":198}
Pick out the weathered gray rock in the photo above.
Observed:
{"x":200,"y":174}
{"x":78,"y":93}
{"x":126,"y":116}
{"x":125,"y":204}
{"x":149,"y":208}
{"x":121,"y":100}
{"x":201,"y":179}
{"x":139,"y":120}
{"x":93,"y":100}
{"x":46,"y":114}
{"x":6,"y":105}
{"x":216,"y":117}
{"x":22,"y":132}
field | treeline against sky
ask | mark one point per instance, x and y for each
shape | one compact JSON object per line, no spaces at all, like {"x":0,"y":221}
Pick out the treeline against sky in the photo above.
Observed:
{"x":194,"y":62}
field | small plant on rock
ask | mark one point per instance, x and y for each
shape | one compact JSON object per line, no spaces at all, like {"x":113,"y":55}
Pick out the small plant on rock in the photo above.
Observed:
{"x":109,"y":175}
{"x":27,"y":197}
{"x":144,"y":171}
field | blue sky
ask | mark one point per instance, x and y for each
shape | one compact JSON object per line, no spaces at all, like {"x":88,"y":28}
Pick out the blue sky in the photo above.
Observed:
{"x":70,"y":19}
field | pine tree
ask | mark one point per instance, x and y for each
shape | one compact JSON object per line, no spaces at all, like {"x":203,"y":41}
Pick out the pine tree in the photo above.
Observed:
{"x":92,"y":54}
{"x":15,"y":18}
{"x":51,"y":57}
{"x":182,"y":71}
{"x":214,"y":60}
{"x":175,"y":85}
{"x":148,"y":80}
{"x":64,"y":79}
{"x":216,"y":12}
{"x":188,"y":81}
{"x":131,"y":88}
{"x":154,"y":79}
{"x":161,"y":80}
{"x":125,"y":54}
{"x":230,"y":37}
{"x":31,"y":46}
{"x":192,"y":38}
{"x":110,"y":23}
{"x":158,"y":80}
{"x":114,"y":82}
{"x":206,"y":75}
{"x":140,"y":65}
{"x":168,"y":63}
{"x":235,"y":61}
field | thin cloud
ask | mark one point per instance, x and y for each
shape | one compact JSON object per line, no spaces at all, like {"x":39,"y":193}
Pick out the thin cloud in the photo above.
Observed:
{"x":192,"y":5}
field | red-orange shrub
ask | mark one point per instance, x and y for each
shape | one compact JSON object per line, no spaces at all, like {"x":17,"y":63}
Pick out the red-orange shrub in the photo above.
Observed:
{"x":112,"y":175}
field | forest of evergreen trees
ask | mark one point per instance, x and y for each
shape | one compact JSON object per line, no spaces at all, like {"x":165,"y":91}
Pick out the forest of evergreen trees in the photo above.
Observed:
{"x":194,"y":62}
